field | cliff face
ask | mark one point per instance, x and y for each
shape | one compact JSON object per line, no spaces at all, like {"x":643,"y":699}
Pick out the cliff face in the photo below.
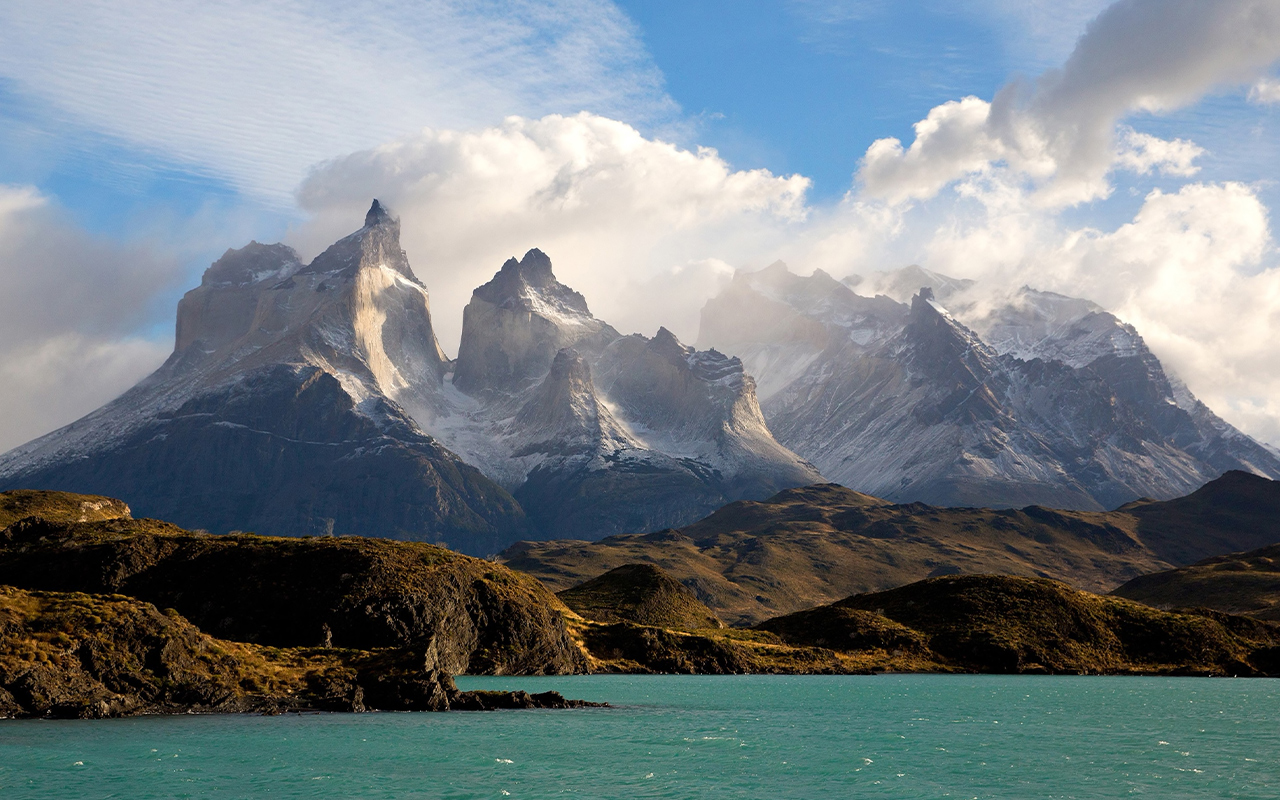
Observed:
{"x":516,"y":323}
{"x":468,"y":615}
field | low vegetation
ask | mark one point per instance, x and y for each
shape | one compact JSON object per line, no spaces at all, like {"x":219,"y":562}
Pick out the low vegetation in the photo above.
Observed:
{"x":643,"y":594}
{"x":1237,"y":583}
{"x":751,"y":561}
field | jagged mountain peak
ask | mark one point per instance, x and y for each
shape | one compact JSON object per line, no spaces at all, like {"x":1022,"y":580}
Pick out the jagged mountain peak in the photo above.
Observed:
{"x":932,"y":325}
{"x":311,"y":399}
{"x":376,"y":215}
{"x":516,"y":324}
{"x":974,"y":396}
{"x":375,"y":246}
{"x":1037,"y":324}
{"x":530,"y":285}
{"x":667,"y":344}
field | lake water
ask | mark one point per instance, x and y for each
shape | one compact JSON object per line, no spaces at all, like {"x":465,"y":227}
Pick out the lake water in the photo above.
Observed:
{"x":768,"y":737}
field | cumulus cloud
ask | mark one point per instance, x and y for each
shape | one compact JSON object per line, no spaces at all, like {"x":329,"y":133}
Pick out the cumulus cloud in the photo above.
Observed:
{"x":617,"y":212}
{"x":69,"y":309}
{"x":256,"y":91}
{"x":1059,"y":132}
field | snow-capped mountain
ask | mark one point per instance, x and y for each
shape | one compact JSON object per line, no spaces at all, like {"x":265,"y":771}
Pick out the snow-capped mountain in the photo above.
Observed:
{"x":598,"y":433}
{"x":315,"y":398}
{"x":1042,"y":399}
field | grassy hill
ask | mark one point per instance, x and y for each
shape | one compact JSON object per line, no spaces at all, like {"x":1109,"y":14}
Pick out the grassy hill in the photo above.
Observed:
{"x":1237,"y":583}
{"x":806,"y":547}
{"x":1006,"y":624}
{"x":640,"y":593}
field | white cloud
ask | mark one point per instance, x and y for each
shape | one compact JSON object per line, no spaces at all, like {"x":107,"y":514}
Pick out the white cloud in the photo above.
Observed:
{"x":613,"y":209}
{"x":68,"y":310}
{"x":1059,"y":132}
{"x":954,"y":140}
{"x":1143,"y":153}
{"x":255,"y":92}
{"x":1265,"y":91}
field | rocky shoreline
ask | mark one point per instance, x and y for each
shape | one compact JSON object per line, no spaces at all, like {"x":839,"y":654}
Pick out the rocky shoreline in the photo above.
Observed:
{"x":102,"y":615}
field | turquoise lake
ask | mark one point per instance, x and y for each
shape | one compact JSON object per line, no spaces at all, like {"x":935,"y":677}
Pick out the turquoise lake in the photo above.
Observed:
{"x":768,"y":737}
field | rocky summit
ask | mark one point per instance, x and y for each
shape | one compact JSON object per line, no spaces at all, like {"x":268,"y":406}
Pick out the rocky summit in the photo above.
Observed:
{"x":315,"y":399}
{"x":928,"y":395}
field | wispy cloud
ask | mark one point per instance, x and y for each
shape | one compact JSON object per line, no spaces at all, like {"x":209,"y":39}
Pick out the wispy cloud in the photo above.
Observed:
{"x":256,"y":92}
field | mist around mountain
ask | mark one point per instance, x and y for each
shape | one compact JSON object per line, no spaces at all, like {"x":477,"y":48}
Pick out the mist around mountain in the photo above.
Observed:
{"x":315,"y":399}
{"x":919,"y":387}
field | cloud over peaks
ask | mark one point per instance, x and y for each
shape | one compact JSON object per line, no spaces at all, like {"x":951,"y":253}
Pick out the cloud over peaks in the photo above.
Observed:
{"x":613,"y":209}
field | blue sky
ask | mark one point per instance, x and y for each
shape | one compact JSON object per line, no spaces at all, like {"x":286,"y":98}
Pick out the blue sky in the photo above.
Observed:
{"x":155,"y":135}
{"x":791,"y":87}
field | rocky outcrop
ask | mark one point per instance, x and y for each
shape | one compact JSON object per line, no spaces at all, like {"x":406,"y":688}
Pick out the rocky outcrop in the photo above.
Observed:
{"x":93,"y":656}
{"x":469,"y":615}
{"x":643,"y":594}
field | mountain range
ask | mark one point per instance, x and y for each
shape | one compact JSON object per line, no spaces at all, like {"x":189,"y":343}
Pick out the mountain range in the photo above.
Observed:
{"x":316,"y":399}
{"x":933,"y":396}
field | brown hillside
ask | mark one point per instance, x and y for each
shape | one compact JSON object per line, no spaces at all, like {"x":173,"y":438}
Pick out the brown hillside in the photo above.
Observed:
{"x":1003,"y":624}
{"x":806,"y":547}
{"x":1236,"y":512}
{"x":79,"y":655}
{"x":58,"y":507}
{"x":1239,"y":583}
{"x":643,"y":594}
